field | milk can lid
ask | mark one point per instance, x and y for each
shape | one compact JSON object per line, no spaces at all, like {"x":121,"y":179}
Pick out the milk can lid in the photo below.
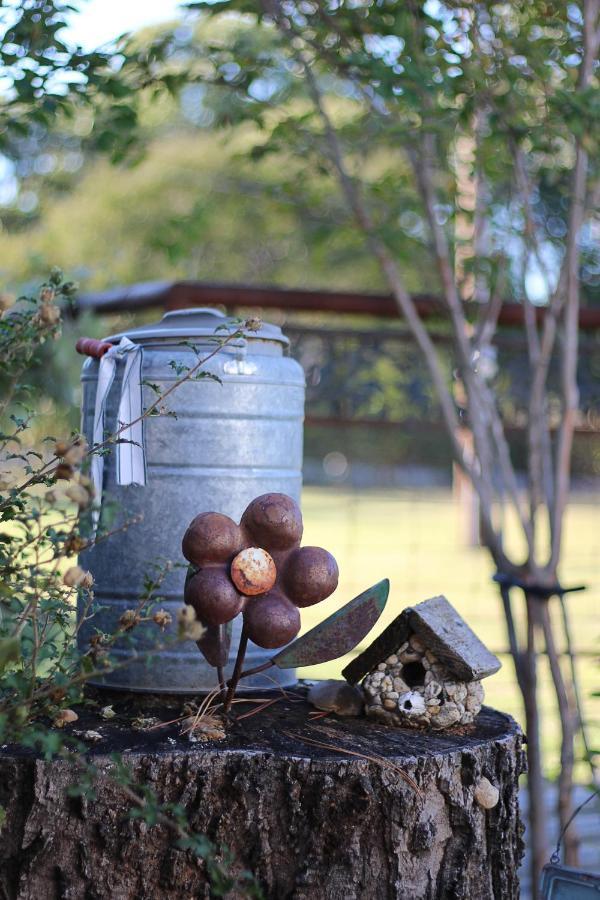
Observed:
{"x":197,"y":322}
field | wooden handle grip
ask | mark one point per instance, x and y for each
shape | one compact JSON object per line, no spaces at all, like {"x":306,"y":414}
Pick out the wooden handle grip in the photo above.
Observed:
{"x":92,"y":347}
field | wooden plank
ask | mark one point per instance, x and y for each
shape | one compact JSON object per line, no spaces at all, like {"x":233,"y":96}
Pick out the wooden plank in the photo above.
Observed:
{"x":447,"y":635}
{"x":383,"y":646}
{"x":442,"y":630}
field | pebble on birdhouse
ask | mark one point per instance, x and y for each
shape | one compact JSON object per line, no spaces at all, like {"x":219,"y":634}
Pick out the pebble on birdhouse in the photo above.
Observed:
{"x":424,"y":670}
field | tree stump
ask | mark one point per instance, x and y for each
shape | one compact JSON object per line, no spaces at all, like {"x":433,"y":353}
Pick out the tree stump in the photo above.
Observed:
{"x":309,"y":822}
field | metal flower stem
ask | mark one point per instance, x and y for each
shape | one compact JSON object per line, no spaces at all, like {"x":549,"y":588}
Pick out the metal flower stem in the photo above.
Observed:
{"x":237,"y":670}
{"x":221,"y":679}
{"x":262,"y":668}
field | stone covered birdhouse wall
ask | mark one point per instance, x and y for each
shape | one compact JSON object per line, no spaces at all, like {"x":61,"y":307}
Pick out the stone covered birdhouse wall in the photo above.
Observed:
{"x":424,"y":670}
{"x":413,"y":687}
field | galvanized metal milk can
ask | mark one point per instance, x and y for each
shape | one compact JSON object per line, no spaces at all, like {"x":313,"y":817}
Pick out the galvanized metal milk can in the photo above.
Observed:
{"x":225,"y":443}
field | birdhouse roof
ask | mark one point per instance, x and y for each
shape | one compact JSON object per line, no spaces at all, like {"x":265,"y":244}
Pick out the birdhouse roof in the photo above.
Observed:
{"x":442,"y":630}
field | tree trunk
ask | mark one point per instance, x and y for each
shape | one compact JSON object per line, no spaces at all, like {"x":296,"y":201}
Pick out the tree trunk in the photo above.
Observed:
{"x":309,"y":822}
{"x":535,"y":775}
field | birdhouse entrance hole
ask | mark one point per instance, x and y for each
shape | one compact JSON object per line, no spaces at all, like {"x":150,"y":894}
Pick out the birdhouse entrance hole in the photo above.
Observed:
{"x":413,"y":674}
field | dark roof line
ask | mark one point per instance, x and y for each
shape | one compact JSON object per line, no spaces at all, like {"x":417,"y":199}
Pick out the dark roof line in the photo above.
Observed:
{"x":181,"y":294}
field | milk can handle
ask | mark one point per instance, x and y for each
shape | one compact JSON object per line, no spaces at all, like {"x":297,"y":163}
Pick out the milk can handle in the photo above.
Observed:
{"x":92,"y":347}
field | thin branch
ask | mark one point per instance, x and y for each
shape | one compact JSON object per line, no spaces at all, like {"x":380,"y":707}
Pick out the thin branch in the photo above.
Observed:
{"x":408,"y":310}
{"x":538,"y":432}
{"x":570,"y":652}
{"x":591,"y":10}
{"x":535,"y":777}
{"x":481,"y":477}
{"x":483,"y":414}
{"x":568,"y":722}
{"x":488,"y":321}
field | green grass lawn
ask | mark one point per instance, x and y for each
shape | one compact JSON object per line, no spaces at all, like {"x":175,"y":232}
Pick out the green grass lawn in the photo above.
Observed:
{"x":415,"y":538}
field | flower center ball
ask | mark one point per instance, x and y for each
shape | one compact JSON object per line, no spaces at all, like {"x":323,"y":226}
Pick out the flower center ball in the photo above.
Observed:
{"x":253,"y":571}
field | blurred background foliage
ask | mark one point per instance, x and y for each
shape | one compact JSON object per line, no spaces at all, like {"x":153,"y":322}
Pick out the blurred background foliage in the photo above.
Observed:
{"x":171,"y":176}
{"x":187,"y":199}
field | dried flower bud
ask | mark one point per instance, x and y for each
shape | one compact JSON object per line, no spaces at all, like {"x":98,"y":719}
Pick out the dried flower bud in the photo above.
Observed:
{"x":47,"y":294}
{"x":11,"y":473}
{"x":162,"y":618}
{"x":76,"y":453}
{"x":189,"y":627}
{"x":61,"y":447}
{"x":99,"y":656}
{"x":129,"y":619}
{"x":185,"y":614}
{"x":64,"y":470}
{"x":74,"y":543}
{"x":78,"y":494}
{"x":253,"y":324}
{"x":88,"y":484}
{"x":74,"y":576}
{"x":58,"y":694}
{"x":87,"y":581}
{"x":64,"y":717}
{"x":49,"y":314}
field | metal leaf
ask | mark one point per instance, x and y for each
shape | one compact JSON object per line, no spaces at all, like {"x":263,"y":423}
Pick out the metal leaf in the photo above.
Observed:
{"x":339,"y":633}
{"x":215,"y":643}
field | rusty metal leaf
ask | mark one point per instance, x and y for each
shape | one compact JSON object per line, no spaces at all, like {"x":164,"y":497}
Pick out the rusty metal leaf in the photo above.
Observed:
{"x":215,"y":643}
{"x":339,"y":633}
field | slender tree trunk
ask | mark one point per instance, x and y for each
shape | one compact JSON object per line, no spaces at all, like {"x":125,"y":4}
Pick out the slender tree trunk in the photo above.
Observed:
{"x":568,"y":720}
{"x":535,"y":776}
{"x":492,"y":453}
{"x":525,"y":662}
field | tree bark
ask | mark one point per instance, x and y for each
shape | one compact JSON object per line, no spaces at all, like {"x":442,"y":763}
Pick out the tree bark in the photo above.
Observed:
{"x":535,"y":775}
{"x":309,"y":822}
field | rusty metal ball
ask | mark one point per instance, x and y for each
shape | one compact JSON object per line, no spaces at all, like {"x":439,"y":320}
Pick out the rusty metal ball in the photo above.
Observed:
{"x":253,"y":571}
{"x":211,"y":537}
{"x":271,"y":620}
{"x":213,"y":596}
{"x":311,"y":575}
{"x":274,"y":521}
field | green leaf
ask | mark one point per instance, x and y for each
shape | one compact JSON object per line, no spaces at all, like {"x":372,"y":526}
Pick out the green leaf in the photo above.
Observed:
{"x":10,"y":651}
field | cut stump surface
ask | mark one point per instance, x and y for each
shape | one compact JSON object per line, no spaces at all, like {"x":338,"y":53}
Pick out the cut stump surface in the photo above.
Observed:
{"x":310,"y":823}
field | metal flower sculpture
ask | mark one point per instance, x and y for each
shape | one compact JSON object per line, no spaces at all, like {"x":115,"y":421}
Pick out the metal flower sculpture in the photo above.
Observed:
{"x":256,"y":568}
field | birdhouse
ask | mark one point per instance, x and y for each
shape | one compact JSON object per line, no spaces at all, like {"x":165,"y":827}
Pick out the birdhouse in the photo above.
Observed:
{"x":425,"y":669}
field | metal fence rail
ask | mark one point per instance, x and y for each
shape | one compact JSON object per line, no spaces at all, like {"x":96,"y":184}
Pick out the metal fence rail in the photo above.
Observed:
{"x":179,"y":294}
